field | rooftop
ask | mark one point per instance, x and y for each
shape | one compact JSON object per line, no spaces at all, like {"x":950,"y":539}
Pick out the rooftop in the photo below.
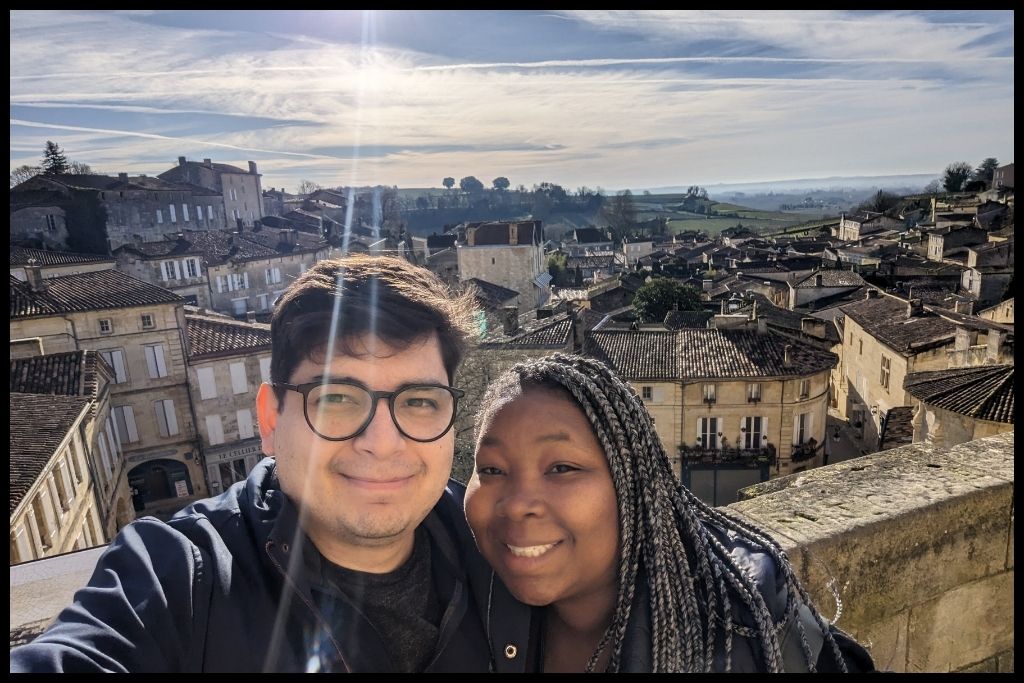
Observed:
{"x":704,"y":354}
{"x":101,"y":290}
{"x":73,"y":373}
{"x":212,"y":336}
{"x":831,"y":278}
{"x":984,"y":393}
{"x":885,"y":318}
{"x":489,"y":294}
{"x":38,"y":425}
{"x":546,"y":333}
{"x":20,"y":256}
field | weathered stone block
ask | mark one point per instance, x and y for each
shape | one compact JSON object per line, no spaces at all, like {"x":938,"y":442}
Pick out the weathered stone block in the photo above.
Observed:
{"x":962,"y":627}
{"x":886,"y":640}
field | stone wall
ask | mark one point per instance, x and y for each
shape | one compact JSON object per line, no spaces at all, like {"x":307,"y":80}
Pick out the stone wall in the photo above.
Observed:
{"x":919,"y":542}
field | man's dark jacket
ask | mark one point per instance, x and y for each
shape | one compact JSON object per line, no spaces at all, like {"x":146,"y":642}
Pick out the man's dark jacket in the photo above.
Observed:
{"x":220,"y":587}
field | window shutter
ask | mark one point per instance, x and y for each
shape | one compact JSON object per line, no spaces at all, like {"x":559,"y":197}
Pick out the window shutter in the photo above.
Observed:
{"x":220,"y":284}
{"x":104,"y":453}
{"x":66,"y":481}
{"x":172,"y":417}
{"x":239,"y":385}
{"x":244,"y":424}
{"x":796,"y":430}
{"x":129,"y":418}
{"x":214,"y":430}
{"x":161,"y":418}
{"x":265,"y":369}
{"x":245,"y":280}
{"x":207,"y":383}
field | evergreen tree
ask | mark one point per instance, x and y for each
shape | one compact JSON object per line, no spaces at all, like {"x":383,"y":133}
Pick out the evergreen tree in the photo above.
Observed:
{"x":54,"y":161}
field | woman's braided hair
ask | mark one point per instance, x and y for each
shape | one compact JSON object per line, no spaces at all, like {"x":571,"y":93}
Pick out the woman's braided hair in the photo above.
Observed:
{"x":664,"y":533}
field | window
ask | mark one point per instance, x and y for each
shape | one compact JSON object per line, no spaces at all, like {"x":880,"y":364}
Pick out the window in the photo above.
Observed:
{"x":169,"y":270}
{"x":209,"y":211}
{"x":46,"y":520}
{"x":263,"y":302}
{"x":240,"y":306}
{"x":63,"y":494}
{"x":245,"y":424}
{"x":115,"y":359}
{"x":199,"y":212}
{"x":709,"y":393}
{"x":124,"y":419}
{"x":239,"y":384}
{"x":754,"y":392}
{"x":155,"y":361}
{"x":106,"y":327}
{"x":647,"y":393}
{"x":166,"y":418}
{"x":805,"y":388}
{"x":191,"y":267}
{"x":752,"y":431}
{"x":802,"y":428}
{"x":21,"y":547}
{"x":234,"y":198}
{"x":214,"y":429}
{"x":184,"y":213}
{"x":861,"y":352}
{"x":708,"y":428}
{"x":105,"y":455}
{"x":75,"y":456}
{"x":273,"y":276}
{"x":171,"y":207}
{"x":265,"y":369}
{"x":159,"y":216}
{"x":51,"y":223}
{"x":207,"y":383}
{"x":886,"y":367}
{"x":147,"y":321}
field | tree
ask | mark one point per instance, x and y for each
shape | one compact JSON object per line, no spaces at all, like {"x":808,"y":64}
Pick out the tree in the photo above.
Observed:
{"x":448,"y":183}
{"x":880,"y":202}
{"x":471,"y":184}
{"x":23,"y":173}
{"x":307,"y":186}
{"x":54,"y":161}
{"x":934,"y":187}
{"x":620,"y":212}
{"x":956,"y":175}
{"x":501,"y":183}
{"x":656,"y":298}
{"x":78,"y":168}
{"x":985,"y":171}
{"x":422,"y":202}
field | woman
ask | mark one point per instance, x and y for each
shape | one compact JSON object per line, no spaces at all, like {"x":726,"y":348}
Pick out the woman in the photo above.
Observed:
{"x":574,"y":504}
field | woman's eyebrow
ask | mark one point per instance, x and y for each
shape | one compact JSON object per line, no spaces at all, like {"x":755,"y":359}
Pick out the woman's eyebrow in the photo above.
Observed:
{"x":556,"y":437}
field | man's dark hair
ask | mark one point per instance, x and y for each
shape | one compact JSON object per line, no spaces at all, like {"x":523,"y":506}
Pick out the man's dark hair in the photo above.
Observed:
{"x":357,"y":295}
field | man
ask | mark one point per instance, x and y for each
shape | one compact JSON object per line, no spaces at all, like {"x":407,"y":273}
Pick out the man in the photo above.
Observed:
{"x":342,"y":551}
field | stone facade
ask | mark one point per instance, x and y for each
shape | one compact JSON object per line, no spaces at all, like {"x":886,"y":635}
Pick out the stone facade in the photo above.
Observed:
{"x":513,"y":267}
{"x":240,"y":286}
{"x":45,"y":226}
{"x":240,"y":190}
{"x":1000,"y":313}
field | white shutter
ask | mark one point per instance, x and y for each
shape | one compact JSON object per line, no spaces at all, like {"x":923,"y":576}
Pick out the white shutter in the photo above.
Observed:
{"x":171,"y":207}
{"x":245,"y":424}
{"x":172,"y":417}
{"x":104,"y":453}
{"x":22,"y":544}
{"x":265,"y":369}
{"x":161,"y":418}
{"x":112,"y":433}
{"x":245,"y":280}
{"x":46,"y":502}
{"x":209,"y":212}
{"x":207,"y":383}
{"x":178,"y":269}
{"x":163,"y":271}
{"x":796,"y":429}
{"x":155,"y":361}
{"x":239,"y":384}
{"x":129,"y":419}
{"x":809,"y":426}
{"x":220,"y":284}
{"x":764,"y":432}
{"x":214,"y":429}
{"x":184,"y":212}
{"x":266,"y":274}
{"x":199,"y":212}
{"x":66,"y":481}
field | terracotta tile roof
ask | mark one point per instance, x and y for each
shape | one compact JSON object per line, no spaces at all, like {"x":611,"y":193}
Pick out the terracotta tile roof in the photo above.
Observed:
{"x":897,"y":428}
{"x":73,"y":373}
{"x":832,"y":278}
{"x":547,"y":333}
{"x":527,"y":232}
{"x":984,"y":393}
{"x":210,"y":336}
{"x":20,"y":257}
{"x":677,"y":320}
{"x":590,"y":261}
{"x":704,"y":353}
{"x":589,"y":236}
{"x":101,"y":290}
{"x":885,"y":319}
{"x":38,"y":425}
{"x":220,"y":246}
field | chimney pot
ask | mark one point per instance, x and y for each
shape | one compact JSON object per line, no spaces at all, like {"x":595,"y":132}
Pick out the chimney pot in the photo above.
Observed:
{"x":914,"y":308}
{"x":509,"y":319}
{"x":250,"y":316}
{"x":122,"y":176}
{"x":208,"y":163}
{"x":34,"y":275}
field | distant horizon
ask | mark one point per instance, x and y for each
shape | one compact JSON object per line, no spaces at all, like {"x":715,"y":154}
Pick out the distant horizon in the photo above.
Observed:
{"x":636,"y":99}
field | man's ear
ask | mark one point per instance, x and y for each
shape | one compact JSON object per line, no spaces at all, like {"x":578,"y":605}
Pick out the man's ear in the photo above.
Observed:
{"x":266,"y":415}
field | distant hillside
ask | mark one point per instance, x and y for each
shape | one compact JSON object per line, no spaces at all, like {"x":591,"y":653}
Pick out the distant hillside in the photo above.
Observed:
{"x":913,"y":183}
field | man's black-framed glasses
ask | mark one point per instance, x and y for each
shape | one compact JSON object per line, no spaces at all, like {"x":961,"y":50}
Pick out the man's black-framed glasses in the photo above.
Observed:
{"x":338,"y":411}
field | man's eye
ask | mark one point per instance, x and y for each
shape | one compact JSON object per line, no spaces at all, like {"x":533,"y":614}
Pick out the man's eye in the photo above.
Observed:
{"x":338,"y":399}
{"x":422,"y":403}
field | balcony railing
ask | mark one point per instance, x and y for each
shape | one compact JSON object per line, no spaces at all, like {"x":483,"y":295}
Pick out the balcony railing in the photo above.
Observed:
{"x":805,"y":451}
{"x":751,"y":457}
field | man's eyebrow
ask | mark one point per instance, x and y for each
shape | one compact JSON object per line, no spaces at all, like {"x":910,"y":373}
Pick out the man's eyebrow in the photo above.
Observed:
{"x":320,"y":379}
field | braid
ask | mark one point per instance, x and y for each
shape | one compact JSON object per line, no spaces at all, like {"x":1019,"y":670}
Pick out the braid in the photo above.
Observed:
{"x":665,"y":534}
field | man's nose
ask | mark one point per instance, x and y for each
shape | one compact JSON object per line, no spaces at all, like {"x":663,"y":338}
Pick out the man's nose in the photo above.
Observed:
{"x":381,"y":437}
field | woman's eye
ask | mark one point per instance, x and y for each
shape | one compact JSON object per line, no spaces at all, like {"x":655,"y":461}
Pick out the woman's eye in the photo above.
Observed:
{"x":562,"y":468}
{"x":488,"y":471}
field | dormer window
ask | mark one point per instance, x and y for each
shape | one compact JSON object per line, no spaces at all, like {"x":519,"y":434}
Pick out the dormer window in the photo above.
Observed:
{"x":147,"y":321}
{"x":106,"y":327}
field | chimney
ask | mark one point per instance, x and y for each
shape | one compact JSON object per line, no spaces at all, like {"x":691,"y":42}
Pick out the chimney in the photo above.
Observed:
{"x":813,"y":327}
{"x":122,"y":176}
{"x":962,"y":341}
{"x":817,"y":279}
{"x":509,"y":320}
{"x":914,"y":308}
{"x":871,"y":293}
{"x":544,"y":312}
{"x":787,"y":355}
{"x":513,"y":234}
{"x":706,"y":284}
{"x":34,"y":275}
{"x":252,"y":168}
{"x":964,"y":307}
{"x":994,"y":346}
{"x":722,"y":311}
{"x":181,"y":161}
{"x":208,"y":163}
{"x":250,"y":316}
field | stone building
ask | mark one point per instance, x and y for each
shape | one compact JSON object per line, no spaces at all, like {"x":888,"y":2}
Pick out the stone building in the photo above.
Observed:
{"x":115,"y":210}
{"x":229,"y":272}
{"x":962,"y":404}
{"x":55,"y":263}
{"x":510,"y":255}
{"x":731,"y":407}
{"x":228,"y":361}
{"x":855,"y":226}
{"x":241,"y":192}
{"x":69,"y":488}
{"x":137,"y":328}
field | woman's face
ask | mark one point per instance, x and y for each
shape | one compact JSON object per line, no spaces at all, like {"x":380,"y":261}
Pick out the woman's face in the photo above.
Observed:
{"x":542,"y":504}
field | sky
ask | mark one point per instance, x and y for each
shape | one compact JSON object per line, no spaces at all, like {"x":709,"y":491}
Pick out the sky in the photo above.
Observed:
{"x":609,"y":99}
